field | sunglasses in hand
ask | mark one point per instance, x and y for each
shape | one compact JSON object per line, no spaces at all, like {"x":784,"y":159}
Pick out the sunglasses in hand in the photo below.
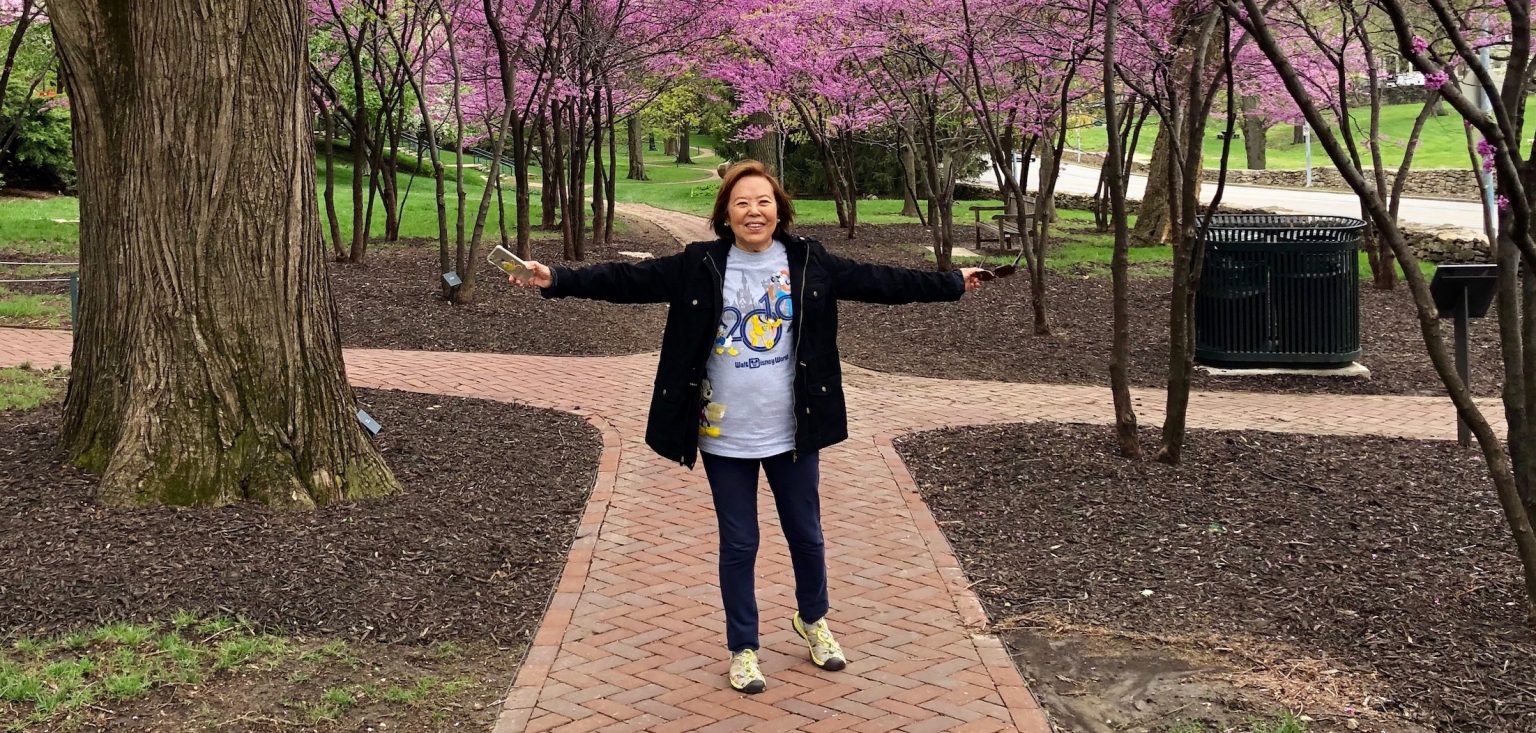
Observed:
{"x":1002,"y":271}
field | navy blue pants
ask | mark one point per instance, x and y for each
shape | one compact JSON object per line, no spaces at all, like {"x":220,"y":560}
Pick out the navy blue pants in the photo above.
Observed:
{"x":733,"y":482}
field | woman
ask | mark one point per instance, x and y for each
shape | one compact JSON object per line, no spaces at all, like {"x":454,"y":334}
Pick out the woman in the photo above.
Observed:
{"x":749,"y":376}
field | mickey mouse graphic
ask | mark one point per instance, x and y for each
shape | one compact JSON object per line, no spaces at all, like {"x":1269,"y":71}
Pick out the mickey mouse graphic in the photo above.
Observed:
{"x":711,"y":413}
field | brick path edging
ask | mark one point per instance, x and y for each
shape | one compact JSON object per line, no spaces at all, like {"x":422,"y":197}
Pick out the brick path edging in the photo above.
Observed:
{"x":533,"y":670}
{"x":1022,"y":704}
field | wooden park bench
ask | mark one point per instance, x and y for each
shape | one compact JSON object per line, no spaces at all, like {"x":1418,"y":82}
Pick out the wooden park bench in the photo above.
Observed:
{"x":1002,"y":228}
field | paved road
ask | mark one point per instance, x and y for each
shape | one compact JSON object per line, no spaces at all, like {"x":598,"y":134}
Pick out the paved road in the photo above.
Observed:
{"x":1420,"y":212}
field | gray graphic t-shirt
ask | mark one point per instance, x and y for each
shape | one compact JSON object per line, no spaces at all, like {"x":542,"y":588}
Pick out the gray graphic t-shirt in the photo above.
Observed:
{"x":749,"y":397}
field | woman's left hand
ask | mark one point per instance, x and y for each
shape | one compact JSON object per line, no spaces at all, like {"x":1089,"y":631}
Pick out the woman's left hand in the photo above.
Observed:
{"x":972,"y":278}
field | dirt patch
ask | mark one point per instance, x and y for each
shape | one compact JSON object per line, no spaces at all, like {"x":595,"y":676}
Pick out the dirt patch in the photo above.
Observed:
{"x":28,"y":193}
{"x":1095,"y":682}
{"x":469,"y":554}
{"x":1374,"y":574}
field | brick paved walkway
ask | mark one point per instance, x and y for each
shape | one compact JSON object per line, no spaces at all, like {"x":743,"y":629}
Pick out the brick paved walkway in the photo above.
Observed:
{"x":633,"y":638}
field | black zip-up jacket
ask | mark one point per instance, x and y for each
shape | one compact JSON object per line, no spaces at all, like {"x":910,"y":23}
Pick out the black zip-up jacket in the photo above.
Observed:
{"x":692,"y":282}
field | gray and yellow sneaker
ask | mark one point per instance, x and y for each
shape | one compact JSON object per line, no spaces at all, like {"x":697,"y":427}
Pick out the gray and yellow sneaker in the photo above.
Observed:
{"x":745,"y":676}
{"x":825,"y":653}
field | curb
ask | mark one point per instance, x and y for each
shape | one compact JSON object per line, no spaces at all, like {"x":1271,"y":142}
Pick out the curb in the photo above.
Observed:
{"x":534,"y":670}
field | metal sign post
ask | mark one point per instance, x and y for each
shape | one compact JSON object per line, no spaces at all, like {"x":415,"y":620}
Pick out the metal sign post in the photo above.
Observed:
{"x":1463,"y":292}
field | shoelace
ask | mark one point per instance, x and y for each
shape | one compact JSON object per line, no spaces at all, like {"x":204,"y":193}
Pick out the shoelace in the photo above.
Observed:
{"x":823,"y":637}
{"x":748,"y":665}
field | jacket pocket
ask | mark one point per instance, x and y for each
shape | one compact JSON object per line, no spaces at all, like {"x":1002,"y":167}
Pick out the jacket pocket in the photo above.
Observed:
{"x":669,"y":404}
{"x":824,"y":407}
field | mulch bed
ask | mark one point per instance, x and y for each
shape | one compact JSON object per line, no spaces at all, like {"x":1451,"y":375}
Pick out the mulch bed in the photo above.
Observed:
{"x":1387,"y":559}
{"x":469,"y":552}
{"x":392,"y":300}
{"x":990,"y":335}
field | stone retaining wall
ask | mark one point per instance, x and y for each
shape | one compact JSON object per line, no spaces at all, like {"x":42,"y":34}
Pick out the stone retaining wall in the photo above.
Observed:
{"x":1449,"y":183}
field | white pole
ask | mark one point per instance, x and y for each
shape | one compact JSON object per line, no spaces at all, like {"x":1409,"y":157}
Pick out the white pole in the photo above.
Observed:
{"x":1306,"y":134}
{"x":1485,"y":104}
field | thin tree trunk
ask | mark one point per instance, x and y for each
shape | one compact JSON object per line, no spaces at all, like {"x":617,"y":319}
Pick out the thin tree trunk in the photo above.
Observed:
{"x":439,"y":173}
{"x":461,"y":196}
{"x":599,"y":170}
{"x":611,"y":180}
{"x":339,"y":253}
{"x":549,"y":167}
{"x":850,"y":183}
{"x":1187,"y":244}
{"x":905,"y":143}
{"x":362,"y":175}
{"x":636,"y":152}
{"x":576,"y":181}
{"x":218,"y":377}
{"x":520,"y":139}
{"x":563,"y":139}
{"x":1119,"y":267}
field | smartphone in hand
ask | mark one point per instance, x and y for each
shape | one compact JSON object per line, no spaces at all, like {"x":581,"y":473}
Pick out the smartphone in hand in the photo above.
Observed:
{"x":513,"y":265}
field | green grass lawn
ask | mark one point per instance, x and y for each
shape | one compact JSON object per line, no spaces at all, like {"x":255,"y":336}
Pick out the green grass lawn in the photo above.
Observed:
{"x":1078,"y":250}
{"x":40,"y":227}
{"x":22,"y":388}
{"x":61,"y":682}
{"x":1443,"y":144}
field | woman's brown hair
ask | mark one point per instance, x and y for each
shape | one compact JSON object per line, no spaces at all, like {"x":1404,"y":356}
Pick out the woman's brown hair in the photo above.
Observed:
{"x":720,"y":217}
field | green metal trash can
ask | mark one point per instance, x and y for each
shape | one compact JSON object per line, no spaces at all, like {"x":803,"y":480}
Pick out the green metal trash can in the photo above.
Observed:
{"x":1279,"y":290}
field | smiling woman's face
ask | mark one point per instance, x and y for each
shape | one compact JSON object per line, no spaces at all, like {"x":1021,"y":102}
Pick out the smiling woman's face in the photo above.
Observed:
{"x":754,"y":212}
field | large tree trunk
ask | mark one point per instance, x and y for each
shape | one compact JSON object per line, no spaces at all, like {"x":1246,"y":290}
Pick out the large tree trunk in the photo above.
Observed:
{"x":684,"y":145}
{"x":1154,"y":225}
{"x":765,"y":149}
{"x":636,"y":155}
{"x":1254,"y":129}
{"x":217,"y":377}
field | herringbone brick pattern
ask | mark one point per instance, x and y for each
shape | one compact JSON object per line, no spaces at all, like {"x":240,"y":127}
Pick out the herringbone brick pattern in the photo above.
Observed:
{"x":634,"y":636}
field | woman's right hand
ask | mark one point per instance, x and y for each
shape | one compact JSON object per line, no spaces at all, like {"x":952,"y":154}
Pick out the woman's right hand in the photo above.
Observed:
{"x":541,"y":277}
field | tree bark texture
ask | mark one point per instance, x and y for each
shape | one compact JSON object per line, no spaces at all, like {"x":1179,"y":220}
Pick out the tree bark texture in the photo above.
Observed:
{"x":636,"y":154}
{"x":765,"y":149}
{"x":1254,"y":129}
{"x":909,"y":173}
{"x":1154,"y":226}
{"x":1126,"y":434}
{"x":684,"y":151}
{"x":207,"y":368}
